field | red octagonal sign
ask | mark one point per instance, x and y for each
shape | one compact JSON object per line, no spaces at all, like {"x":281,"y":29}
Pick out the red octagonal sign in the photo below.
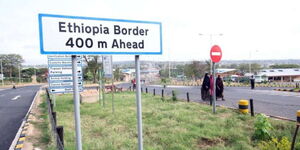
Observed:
{"x":215,"y":53}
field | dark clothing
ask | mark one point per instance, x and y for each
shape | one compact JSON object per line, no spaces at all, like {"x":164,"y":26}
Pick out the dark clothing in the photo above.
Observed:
{"x":205,"y":95}
{"x":219,"y":88}
{"x":206,"y":83}
{"x":252,"y":81}
{"x":133,"y":84}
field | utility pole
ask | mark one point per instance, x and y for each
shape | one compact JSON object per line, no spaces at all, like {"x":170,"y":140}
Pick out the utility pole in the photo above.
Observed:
{"x":2,"y":73}
{"x":169,"y":69}
{"x":19,"y":74}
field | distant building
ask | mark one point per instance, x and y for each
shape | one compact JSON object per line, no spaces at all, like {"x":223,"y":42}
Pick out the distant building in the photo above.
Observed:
{"x":147,"y":75}
{"x":281,"y":75}
{"x":226,"y":72}
{"x":127,"y":74}
{"x":150,"y":75}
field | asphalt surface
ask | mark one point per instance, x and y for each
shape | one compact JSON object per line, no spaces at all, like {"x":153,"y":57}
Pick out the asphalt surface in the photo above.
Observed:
{"x":14,"y":104}
{"x":265,"y":99}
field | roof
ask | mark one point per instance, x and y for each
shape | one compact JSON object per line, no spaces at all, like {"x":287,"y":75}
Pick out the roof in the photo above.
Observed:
{"x":128,"y":71}
{"x":224,"y":70}
{"x":280,"y":72}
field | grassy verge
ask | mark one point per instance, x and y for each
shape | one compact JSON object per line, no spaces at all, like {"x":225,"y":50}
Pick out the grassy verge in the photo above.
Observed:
{"x":166,"y":125}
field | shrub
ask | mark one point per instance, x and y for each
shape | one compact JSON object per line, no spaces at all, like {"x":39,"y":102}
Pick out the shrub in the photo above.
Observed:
{"x":283,"y":144}
{"x":262,"y":127}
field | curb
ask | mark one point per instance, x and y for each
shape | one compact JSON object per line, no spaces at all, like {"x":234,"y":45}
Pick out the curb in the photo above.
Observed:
{"x":17,"y":143}
{"x":287,"y":90}
{"x":233,"y":108}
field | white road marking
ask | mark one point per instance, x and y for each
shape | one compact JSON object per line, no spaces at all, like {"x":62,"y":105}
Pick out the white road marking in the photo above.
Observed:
{"x":15,"y":98}
{"x":278,"y":93}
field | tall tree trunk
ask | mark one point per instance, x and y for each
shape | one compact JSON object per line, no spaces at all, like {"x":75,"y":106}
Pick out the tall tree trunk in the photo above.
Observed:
{"x":94,"y":76}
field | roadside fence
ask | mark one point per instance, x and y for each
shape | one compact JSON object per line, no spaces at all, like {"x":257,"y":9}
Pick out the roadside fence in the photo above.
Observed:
{"x":56,"y":131}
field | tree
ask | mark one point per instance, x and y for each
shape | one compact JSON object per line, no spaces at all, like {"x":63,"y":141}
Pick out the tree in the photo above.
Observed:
{"x":245,"y":68}
{"x":282,"y":66}
{"x":11,"y":63}
{"x":93,"y":64}
{"x":164,"y":73}
{"x":28,"y":73}
{"x":196,"y":69}
{"x":255,"y":67}
{"x":117,"y":74}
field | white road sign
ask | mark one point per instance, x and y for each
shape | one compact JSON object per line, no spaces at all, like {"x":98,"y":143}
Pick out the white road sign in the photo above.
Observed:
{"x":1,"y":76}
{"x":60,"y":73}
{"x":58,"y":84}
{"x":85,"y":35}
{"x":107,"y":66}
{"x":63,"y":70}
{"x":63,"y":78}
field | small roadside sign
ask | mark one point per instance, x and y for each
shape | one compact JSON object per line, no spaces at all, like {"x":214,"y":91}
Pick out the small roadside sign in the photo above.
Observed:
{"x":107,"y":66}
{"x":1,"y":76}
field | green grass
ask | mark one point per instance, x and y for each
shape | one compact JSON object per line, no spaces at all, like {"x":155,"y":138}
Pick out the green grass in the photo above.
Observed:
{"x":166,"y":125}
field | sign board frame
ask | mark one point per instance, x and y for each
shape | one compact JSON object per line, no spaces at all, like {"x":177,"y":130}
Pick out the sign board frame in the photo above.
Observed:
{"x":85,"y":52}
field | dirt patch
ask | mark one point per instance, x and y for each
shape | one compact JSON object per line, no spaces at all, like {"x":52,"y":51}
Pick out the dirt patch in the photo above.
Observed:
{"x":33,"y":133}
{"x":89,"y":96}
{"x":205,"y":143}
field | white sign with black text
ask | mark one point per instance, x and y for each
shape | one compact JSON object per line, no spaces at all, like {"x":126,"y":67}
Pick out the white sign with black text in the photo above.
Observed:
{"x":86,"y":35}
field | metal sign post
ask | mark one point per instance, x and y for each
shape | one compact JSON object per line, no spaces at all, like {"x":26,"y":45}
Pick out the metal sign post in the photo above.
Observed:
{"x":76,"y":103}
{"x":214,"y":87}
{"x":138,"y":101}
{"x":100,"y":86}
{"x":216,"y":56}
{"x":2,"y":74}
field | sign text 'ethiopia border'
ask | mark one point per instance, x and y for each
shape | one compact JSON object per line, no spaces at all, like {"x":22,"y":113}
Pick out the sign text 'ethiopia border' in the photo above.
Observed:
{"x":86,"y":35}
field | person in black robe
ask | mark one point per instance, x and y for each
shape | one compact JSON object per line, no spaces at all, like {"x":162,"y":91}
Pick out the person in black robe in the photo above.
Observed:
{"x":252,"y":82}
{"x":205,"y":88}
{"x":219,"y":88}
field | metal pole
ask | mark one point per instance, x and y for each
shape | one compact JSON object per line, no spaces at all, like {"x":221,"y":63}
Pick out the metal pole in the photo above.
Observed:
{"x":252,"y":107}
{"x":138,"y":102}
{"x":113,"y":87}
{"x":76,"y":103}
{"x":103,"y":83}
{"x":250,"y":62}
{"x":211,"y":63}
{"x":2,"y":74}
{"x":100,"y":87}
{"x":295,"y":135}
{"x":19,"y":74}
{"x":169,"y":70}
{"x":214,"y":88}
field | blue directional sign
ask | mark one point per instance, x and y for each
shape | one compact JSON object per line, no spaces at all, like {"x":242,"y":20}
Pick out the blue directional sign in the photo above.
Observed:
{"x":60,"y":73}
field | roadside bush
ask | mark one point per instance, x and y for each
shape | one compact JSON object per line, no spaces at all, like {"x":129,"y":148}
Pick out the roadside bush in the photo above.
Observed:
{"x":274,"y":143}
{"x":262,"y":127}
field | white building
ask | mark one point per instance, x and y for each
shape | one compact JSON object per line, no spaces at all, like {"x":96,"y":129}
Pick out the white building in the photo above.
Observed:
{"x":281,"y":75}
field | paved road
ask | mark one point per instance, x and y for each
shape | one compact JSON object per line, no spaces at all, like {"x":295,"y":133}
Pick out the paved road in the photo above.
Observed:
{"x":14,"y":104}
{"x":266,"y":100}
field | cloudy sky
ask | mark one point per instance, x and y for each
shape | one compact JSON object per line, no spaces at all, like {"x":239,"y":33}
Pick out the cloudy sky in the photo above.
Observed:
{"x":251,"y":29}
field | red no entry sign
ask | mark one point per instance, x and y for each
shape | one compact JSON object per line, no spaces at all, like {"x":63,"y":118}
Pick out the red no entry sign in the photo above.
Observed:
{"x":215,"y":53}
